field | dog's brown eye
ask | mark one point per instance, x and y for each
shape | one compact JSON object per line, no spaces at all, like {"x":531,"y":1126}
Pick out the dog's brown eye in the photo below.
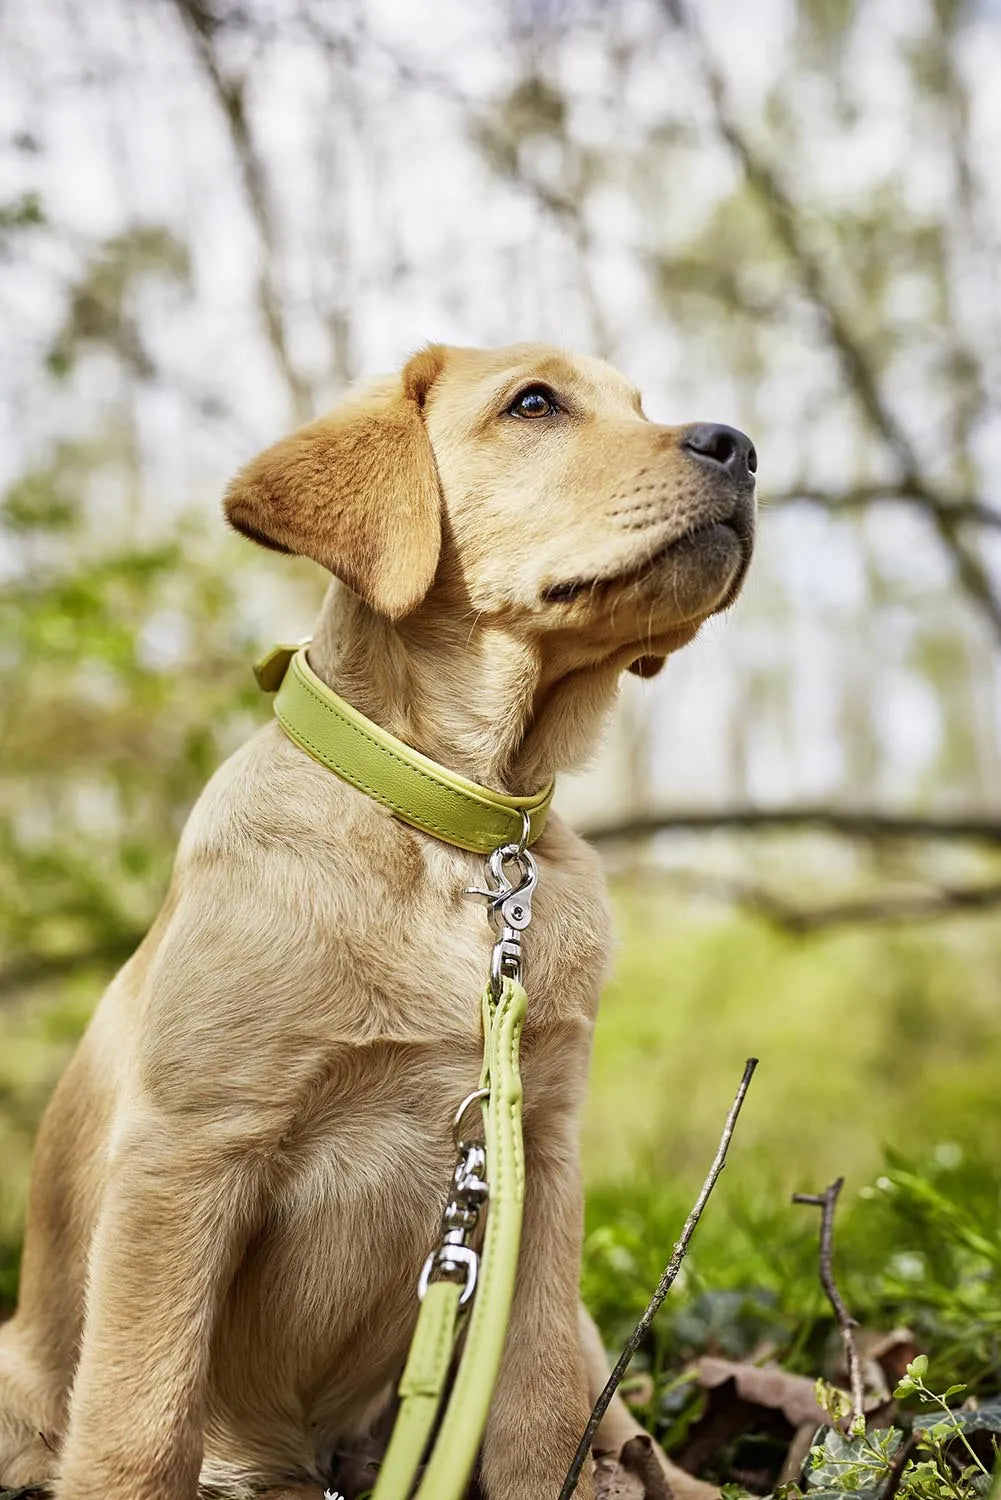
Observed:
{"x":537,"y":401}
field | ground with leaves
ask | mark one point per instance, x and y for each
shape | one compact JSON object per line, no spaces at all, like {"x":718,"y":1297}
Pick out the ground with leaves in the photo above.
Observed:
{"x":743,"y":1379}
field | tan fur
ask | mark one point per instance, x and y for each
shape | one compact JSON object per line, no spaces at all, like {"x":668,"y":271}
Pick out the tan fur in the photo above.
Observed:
{"x":243,"y":1167}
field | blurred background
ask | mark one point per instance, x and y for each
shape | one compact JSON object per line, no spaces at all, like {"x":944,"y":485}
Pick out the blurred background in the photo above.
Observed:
{"x":785,"y":215}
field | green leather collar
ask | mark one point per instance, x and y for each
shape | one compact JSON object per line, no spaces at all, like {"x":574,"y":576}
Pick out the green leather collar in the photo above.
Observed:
{"x":417,"y":789}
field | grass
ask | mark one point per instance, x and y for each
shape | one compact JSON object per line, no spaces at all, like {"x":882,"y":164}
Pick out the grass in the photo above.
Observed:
{"x":866,"y":1037}
{"x":921,"y":1244}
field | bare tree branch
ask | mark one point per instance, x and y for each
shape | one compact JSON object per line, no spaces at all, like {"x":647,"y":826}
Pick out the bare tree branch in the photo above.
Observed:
{"x":664,"y":1285}
{"x":939,"y":902}
{"x":964,"y":510}
{"x":857,"y":362}
{"x":827,"y":1202}
{"x":947,"y":514}
{"x":868,"y":824}
{"x":905,"y":906}
{"x":936,"y":902}
{"x":230,"y":96}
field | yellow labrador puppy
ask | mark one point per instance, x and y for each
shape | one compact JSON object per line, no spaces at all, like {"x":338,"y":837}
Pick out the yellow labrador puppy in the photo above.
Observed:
{"x":244,"y":1165}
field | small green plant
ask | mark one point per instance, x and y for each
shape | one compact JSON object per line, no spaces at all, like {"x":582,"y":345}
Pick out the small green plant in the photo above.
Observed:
{"x":854,"y":1462}
{"x":945,"y":1465}
{"x":941,"y":1473}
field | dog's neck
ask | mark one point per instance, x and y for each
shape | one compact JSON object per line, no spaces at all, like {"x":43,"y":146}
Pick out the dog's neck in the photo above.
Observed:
{"x":467,"y":693}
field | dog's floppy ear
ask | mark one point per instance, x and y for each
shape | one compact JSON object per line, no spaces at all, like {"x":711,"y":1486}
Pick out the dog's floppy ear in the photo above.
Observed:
{"x":357,"y":491}
{"x":647,"y":666}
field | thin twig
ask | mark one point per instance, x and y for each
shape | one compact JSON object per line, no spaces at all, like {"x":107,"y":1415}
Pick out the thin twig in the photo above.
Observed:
{"x":827,"y":1202}
{"x":898,"y":1465}
{"x":663,"y":1287}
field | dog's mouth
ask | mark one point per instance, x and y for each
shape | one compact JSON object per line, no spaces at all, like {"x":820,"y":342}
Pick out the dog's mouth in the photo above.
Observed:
{"x":564,"y":593}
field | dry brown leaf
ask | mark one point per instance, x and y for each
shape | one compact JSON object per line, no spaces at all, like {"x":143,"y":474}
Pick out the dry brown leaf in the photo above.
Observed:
{"x":765,"y":1385}
{"x":613,"y":1482}
{"x":796,"y":1455}
{"x":884,"y":1358}
{"x":892,"y":1351}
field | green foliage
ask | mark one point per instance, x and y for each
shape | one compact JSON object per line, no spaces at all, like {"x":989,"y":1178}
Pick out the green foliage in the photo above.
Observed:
{"x":24,"y":212}
{"x":102,"y":311}
{"x":916,"y":1246}
{"x":858,"y":1464}
{"x":105,"y":755}
{"x":936,"y":1438}
{"x":39,"y":502}
{"x":124,"y":648}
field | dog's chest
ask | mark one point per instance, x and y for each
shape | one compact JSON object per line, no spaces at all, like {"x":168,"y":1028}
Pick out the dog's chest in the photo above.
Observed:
{"x":392,"y":1047}
{"x":398,"y":1041}
{"x":448,"y":938}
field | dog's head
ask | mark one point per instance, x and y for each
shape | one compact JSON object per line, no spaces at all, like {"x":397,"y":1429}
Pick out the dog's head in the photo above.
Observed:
{"x":521,"y":485}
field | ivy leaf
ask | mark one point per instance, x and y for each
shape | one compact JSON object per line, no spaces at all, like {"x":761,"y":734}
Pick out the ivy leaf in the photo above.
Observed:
{"x":851,"y":1464}
{"x":984,"y":1418}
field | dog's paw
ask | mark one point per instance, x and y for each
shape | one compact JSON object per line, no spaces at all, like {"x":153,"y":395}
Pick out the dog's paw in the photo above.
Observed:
{"x":26,"y":1459}
{"x":297,"y":1493}
{"x":641,"y":1470}
{"x":30,"y":1420}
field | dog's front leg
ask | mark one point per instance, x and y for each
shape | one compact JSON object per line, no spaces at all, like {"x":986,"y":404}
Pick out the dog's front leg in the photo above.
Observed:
{"x":540,"y":1406}
{"x":176,"y":1213}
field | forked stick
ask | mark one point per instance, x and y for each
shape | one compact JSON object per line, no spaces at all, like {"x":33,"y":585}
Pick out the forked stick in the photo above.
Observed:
{"x":663,"y":1287}
{"x":827,"y":1202}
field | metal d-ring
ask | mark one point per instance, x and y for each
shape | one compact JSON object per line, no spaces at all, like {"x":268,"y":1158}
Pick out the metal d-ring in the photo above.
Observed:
{"x":476,"y":1097}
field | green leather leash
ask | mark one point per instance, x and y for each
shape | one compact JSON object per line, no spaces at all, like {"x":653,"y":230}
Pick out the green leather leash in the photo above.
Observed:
{"x":451,"y":1460}
{"x":448,"y":806}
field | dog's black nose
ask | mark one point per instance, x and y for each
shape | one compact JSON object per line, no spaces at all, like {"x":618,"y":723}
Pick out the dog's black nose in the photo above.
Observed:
{"x":725,"y":447}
